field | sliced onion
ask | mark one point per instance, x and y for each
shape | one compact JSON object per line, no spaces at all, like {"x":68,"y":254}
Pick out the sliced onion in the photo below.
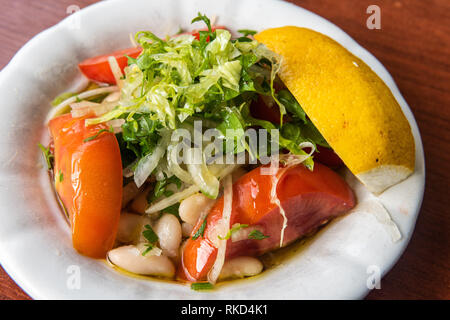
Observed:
{"x":84,"y":105}
{"x":222,"y":229}
{"x":116,"y":124}
{"x":177,"y":197}
{"x":274,"y":199}
{"x":161,"y":171}
{"x":148,"y":163}
{"x":83,"y":108}
{"x":290,"y":159}
{"x":171,"y":200}
{"x":132,"y":40}
{"x":61,"y":108}
{"x":113,"y":97}
{"x":205,"y":179}
{"x":115,"y":69}
{"x":174,"y":167}
{"x":242,"y":234}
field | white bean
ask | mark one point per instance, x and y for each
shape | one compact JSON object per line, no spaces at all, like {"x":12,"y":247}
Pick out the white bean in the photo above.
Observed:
{"x":168,"y":230}
{"x":186,"y":229}
{"x":241,"y":267}
{"x":129,"y":227}
{"x":130,"y":259}
{"x":194,"y":206}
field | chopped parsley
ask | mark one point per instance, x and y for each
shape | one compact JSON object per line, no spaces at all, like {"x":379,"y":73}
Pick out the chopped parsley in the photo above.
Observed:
{"x":245,"y":35}
{"x":139,"y":134}
{"x":200,"y":231}
{"x":173,"y":209}
{"x":247,"y":32}
{"x":236,"y":227}
{"x":98,"y":133}
{"x":257,"y":235}
{"x":197,"y":286}
{"x":151,"y":237}
{"x":161,"y":189}
{"x":47,"y":155}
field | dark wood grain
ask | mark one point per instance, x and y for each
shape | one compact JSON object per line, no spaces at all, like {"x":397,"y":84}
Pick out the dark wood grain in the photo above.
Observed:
{"x":414,"y":45}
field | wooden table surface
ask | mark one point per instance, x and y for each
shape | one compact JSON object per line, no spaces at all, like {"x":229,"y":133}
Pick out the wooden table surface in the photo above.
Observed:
{"x":414,"y":45}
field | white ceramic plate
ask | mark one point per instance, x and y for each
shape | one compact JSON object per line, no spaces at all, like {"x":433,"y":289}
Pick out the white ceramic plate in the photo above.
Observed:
{"x":35,"y":244}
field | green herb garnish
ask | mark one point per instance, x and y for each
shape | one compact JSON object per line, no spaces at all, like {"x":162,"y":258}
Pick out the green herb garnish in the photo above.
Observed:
{"x":257,"y":235}
{"x":291,"y":104}
{"x":98,"y":133}
{"x":149,"y":234}
{"x":235,"y":228}
{"x":151,"y":237}
{"x":205,"y":19}
{"x":247,"y":32}
{"x":47,"y":155}
{"x":200,"y":231}
{"x":198,"y":286}
{"x":139,"y":134}
{"x":161,"y":188}
{"x":173,"y":209}
{"x":148,"y":249}
{"x":61,"y":176}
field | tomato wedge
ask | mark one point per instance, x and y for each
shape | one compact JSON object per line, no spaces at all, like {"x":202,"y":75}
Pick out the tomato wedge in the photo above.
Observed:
{"x":88,"y":180}
{"x":98,"y":69}
{"x":309,"y":199}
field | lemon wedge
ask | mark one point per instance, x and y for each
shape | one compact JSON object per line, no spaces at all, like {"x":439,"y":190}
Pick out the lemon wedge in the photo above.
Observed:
{"x":348,"y":103}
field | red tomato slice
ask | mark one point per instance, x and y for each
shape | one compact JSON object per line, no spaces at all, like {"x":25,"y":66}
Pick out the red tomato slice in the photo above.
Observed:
{"x":88,"y":180}
{"x":309,"y":199}
{"x":97,"y":68}
{"x":328,"y":157}
{"x":260,"y":110}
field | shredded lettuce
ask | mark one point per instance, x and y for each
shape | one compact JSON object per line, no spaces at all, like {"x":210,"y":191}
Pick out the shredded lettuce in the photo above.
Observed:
{"x":182,"y":76}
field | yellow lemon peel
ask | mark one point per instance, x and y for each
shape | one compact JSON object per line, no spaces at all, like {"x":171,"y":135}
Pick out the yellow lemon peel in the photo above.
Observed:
{"x":348,"y":103}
